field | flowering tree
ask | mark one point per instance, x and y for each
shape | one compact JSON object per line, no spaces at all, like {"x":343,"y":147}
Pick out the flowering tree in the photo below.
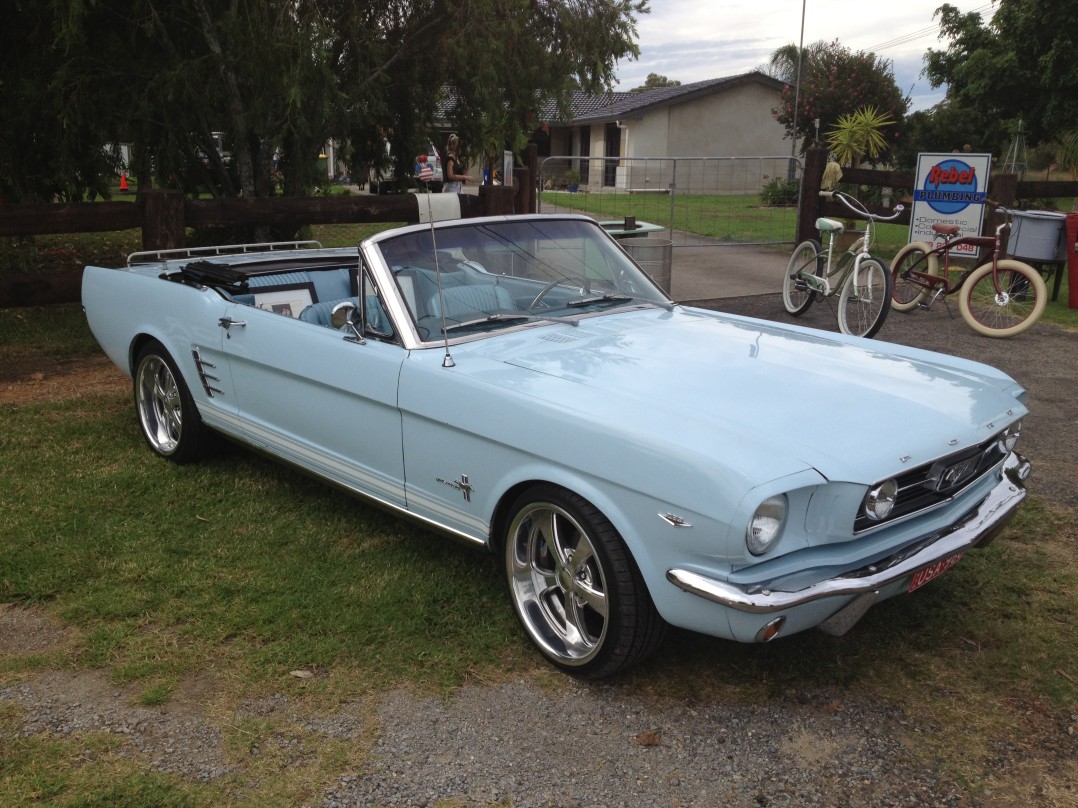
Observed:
{"x":836,"y":81}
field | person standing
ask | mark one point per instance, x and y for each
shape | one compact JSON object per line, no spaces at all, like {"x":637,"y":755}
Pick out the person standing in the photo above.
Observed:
{"x":456,"y":173}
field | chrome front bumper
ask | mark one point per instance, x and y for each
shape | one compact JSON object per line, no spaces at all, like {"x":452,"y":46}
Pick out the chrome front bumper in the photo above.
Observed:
{"x":976,"y":529}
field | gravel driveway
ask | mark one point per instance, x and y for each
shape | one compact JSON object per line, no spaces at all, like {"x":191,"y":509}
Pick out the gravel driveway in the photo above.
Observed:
{"x":552,"y":741}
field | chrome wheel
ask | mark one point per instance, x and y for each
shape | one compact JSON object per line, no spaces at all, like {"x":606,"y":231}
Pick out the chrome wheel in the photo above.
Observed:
{"x":558,"y":583}
{"x":160,"y":406}
{"x":166,"y":412}
{"x":575,"y":586}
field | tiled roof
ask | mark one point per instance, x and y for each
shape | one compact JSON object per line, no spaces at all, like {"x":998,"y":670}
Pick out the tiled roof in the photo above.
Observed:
{"x":587,"y":109}
{"x":612,"y":106}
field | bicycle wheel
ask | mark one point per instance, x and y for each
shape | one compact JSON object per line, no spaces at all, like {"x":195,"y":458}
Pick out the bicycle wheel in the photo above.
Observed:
{"x":863,"y":306}
{"x":907,"y":292}
{"x":1018,"y":303}
{"x":797,"y":295}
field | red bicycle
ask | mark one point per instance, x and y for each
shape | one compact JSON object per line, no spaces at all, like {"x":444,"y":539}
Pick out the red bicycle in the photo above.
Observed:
{"x":1000,"y":298}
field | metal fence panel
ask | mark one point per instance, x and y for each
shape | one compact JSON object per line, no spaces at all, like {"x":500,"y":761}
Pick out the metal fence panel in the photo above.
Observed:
{"x":700,"y":201}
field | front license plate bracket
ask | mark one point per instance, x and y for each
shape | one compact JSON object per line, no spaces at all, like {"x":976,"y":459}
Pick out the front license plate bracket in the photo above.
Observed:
{"x":844,"y":619}
{"x":933,"y":571}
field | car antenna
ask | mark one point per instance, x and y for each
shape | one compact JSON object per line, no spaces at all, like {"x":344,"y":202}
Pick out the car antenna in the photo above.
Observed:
{"x":447,"y":361}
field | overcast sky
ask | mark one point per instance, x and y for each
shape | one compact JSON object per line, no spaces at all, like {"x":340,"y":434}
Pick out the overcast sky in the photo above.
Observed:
{"x":695,"y":40}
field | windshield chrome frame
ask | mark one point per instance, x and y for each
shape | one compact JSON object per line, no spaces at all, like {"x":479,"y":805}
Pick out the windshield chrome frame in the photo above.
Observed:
{"x":398,"y":310}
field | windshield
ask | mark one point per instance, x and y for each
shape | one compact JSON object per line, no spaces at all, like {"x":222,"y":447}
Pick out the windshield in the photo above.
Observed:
{"x":486,"y":276}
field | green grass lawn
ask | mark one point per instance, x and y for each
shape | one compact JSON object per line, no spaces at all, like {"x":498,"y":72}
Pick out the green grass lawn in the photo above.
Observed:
{"x":241,"y":570}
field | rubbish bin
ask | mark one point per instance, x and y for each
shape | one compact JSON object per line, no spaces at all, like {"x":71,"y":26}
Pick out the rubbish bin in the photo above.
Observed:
{"x":1037,"y":235}
{"x":654,"y":255}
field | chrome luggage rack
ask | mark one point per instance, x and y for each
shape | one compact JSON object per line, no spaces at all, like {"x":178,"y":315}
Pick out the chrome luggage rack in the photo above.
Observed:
{"x":160,"y":256}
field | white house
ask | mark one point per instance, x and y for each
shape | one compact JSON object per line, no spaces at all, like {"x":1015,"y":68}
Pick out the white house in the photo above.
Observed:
{"x":729,"y":117}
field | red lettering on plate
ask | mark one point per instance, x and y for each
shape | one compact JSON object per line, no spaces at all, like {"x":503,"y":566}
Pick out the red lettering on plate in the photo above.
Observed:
{"x":922,"y":577}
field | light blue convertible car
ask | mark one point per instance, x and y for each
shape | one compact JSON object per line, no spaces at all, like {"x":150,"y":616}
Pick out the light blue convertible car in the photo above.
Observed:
{"x":519,"y":383}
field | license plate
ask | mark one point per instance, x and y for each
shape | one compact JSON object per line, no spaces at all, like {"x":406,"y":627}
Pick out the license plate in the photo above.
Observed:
{"x":922,"y":577}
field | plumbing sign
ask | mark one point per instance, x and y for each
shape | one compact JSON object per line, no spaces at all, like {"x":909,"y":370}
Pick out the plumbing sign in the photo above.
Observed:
{"x":949,"y":189}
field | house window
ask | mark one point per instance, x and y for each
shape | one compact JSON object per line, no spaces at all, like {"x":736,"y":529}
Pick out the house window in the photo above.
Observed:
{"x":612,"y":135}
{"x":585,"y":151}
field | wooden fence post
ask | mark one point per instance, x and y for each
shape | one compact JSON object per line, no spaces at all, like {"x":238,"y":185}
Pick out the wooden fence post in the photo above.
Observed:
{"x":808,"y":208}
{"x":497,"y":200}
{"x":1002,"y":188}
{"x":162,"y":219}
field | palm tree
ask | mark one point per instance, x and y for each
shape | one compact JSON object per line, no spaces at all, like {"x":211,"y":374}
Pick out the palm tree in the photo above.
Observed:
{"x":787,"y":62}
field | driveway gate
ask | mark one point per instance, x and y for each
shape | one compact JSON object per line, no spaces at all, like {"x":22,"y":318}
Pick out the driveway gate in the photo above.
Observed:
{"x":698,"y":201}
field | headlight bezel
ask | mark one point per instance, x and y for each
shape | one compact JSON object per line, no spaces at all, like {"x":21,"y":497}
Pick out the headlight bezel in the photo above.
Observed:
{"x":767,"y":524}
{"x":1008,"y":438}
{"x":880,"y":500}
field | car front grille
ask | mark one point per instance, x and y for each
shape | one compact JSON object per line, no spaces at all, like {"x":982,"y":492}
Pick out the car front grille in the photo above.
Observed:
{"x":938,"y":481}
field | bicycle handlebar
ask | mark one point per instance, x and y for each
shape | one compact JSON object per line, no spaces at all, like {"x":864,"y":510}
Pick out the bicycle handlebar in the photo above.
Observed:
{"x":860,"y":209}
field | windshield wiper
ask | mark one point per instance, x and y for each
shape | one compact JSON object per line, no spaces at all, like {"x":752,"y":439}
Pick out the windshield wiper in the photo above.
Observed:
{"x":490,"y":318}
{"x":605,"y":298}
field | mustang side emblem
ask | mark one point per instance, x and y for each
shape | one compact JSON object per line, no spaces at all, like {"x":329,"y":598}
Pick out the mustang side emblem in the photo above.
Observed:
{"x":461,"y":485}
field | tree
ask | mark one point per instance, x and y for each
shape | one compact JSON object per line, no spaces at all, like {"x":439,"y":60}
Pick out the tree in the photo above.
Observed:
{"x":654,"y":81}
{"x":1021,"y":64}
{"x":280,"y":78}
{"x":946,"y":127}
{"x":788,"y":60}
{"x":836,"y":81}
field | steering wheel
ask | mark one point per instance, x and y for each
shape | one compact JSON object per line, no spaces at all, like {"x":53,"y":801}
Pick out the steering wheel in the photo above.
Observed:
{"x":585,"y":284}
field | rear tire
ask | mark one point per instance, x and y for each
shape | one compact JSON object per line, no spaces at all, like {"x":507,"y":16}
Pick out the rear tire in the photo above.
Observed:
{"x":907,"y":293}
{"x":167,"y":413}
{"x":575,"y":587}
{"x":863,"y":307}
{"x":1018,"y":305}
{"x":796,"y":296}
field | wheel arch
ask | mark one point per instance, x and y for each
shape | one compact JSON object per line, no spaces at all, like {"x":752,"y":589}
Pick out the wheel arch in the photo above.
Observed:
{"x":624,"y":523}
{"x":140,"y":341}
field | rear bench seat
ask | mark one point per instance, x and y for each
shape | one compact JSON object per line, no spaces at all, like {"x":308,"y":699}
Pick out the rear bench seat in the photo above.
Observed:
{"x":330,"y":284}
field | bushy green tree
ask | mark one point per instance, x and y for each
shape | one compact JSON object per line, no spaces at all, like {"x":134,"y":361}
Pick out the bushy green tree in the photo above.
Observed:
{"x":655,"y":81}
{"x":279,"y":78}
{"x":837,"y":81}
{"x":1022,"y":63}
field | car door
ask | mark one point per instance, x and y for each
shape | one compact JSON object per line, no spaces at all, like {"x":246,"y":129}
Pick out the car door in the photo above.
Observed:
{"x":315,"y":399}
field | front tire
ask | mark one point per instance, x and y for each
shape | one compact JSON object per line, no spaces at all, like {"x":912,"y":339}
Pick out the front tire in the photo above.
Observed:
{"x":167,"y":414}
{"x":575,"y":587}
{"x":1017,"y":305}
{"x":863,"y":306}
{"x":797,"y":296}
{"x":907,"y":292}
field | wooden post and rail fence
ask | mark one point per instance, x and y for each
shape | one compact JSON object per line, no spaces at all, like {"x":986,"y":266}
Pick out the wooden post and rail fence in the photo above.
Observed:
{"x":164,"y":216}
{"x":1002,"y":188}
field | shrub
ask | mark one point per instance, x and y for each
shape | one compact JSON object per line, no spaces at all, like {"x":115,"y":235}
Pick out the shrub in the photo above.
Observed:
{"x":780,"y":193}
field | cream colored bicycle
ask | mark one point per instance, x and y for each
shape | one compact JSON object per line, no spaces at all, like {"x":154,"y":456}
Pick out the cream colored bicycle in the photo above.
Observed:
{"x":861,"y":281}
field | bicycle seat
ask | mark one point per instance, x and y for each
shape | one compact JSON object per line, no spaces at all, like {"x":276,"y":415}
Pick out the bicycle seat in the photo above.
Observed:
{"x":830,"y":226}
{"x":946,"y":229}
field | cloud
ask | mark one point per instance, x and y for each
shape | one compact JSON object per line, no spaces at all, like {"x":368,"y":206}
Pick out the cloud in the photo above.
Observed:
{"x":695,"y":40}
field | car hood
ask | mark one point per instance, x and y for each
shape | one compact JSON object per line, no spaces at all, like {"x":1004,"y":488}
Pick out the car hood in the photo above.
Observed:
{"x":852,"y":409}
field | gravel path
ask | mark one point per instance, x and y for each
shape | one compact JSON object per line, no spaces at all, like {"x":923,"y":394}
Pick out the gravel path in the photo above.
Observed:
{"x":523,"y":743}
{"x":593,"y":746}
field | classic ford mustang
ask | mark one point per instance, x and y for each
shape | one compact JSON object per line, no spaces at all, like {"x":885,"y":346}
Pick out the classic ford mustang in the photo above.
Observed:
{"x":519,"y":383}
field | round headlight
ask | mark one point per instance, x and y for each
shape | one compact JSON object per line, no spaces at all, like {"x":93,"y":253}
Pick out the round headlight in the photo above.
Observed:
{"x":1009,"y":437}
{"x":766,"y":524}
{"x":880,"y":500}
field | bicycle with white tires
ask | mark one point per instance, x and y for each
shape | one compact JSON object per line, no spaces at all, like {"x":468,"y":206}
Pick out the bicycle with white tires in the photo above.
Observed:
{"x":1000,"y":298}
{"x":861,"y":280}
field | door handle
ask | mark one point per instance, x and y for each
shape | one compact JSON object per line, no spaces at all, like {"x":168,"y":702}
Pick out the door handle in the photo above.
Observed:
{"x":228,"y":322}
